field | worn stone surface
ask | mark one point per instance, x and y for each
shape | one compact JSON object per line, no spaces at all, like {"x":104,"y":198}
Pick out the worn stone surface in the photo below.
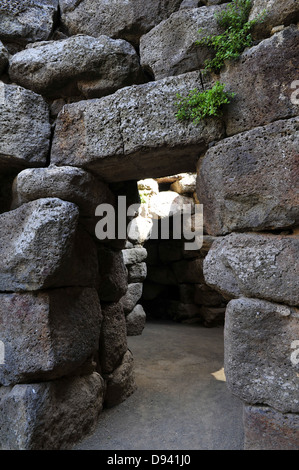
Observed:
{"x":120,"y":18}
{"x":48,"y":334}
{"x":189,"y":271}
{"x":268,"y":429}
{"x":266,"y":97}
{"x":139,"y":230}
{"x":50,"y":415}
{"x":168,"y":203}
{"x":100,"y":135}
{"x":3,"y":58}
{"x":170,"y":49}
{"x":24,"y":21}
{"x":113,"y":282}
{"x":67,"y":183}
{"x":121,"y":383}
{"x":248,"y":181}
{"x":254,"y":265}
{"x":24,"y":128}
{"x":79,"y":65}
{"x":131,"y":297}
{"x":113,"y":339}
{"x":134,"y":255}
{"x":137,"y":272}
{"x":185,"y":184}
{"x":258,"y":353}
{"x":45,"y":250}
{"x":204,"y":295}
{"x":277,"y":13}
{"x":135,"y":321}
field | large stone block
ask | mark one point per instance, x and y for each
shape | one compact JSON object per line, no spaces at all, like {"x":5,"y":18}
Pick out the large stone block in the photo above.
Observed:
{"x":40,"y":247}
{"x":113,"y":282}
{"x":255,"y":265}
{"x":50,"y":415}
{"x":169,"y":48}
{"x":24,"y":21}
{"x":277,"y":13}
{"x":135,"y":321}
{"x":24,"y":128}
{"x":48,"y":334}
{"x":131,"y":297}
{"x":81,"y":64}
{"x":121,"y":383}
{"x":66,"y":183}
{"x":248,"y":181}
{"x":259,"y":364}
{"x":113,"y":339}
{"x":268,"y":429}
{"x":100,"y":134}
{"x":134,"y":255}
{"x":117,"y":18}
{"x":267,"y":95}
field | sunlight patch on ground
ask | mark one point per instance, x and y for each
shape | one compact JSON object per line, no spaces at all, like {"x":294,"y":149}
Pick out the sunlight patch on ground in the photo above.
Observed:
{"x":219,"y":375}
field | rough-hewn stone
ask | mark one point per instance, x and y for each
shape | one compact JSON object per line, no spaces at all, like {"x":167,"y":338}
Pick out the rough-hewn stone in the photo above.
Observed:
{"x":24,"y":21}
{"x":135,"y":321}
{"x":168,"y":203}
{"x":268,"y":429}
{"x":258,"y":353}
{"x":24,"y":128}
{"x":185,"y":184}
{"x":113,"y":282}
{"x":79,"y":65}
{"x":48,"y":334}
{"x":50,"y":415}
{"x":134,"y":255}
{"x":121,"y":383}
{"x":170,"y":49}
{"x":248,"y":181}
{"x":255,"y":265}
{"x":189,"y":271}
{"x":131,"y":297}
{"x":67,"y":183}
{"x":277,"y":13}
{"x":113,"y":339}
{"x":45,"y":250}
{"x":100,"y":135}
{"x":137,"y":272}
{"x":266,"y":96}
{"x":117,"y":18}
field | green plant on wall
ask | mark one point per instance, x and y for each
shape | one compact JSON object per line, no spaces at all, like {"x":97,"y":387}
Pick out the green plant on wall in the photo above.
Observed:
{"x":199,"y":105}
{"x":236,"y":36}
{"x":228,"y":45}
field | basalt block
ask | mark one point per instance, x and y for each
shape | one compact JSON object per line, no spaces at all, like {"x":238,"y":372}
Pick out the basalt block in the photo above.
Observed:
{"x":100,"y":135}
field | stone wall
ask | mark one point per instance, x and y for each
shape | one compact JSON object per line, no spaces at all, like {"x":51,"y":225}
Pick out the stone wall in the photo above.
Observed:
{"x":87,"y":109}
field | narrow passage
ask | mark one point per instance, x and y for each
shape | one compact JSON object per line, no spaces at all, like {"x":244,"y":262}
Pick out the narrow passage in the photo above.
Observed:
{"x":182,"y":402}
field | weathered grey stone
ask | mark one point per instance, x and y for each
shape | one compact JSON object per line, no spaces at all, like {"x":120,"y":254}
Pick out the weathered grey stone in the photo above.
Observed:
{"x":48,"y":334}
{"x":277,"y":13}
{"x":113,"y":281}
{"x":24,"y":128}
{"x":170,"y":49}
{"x":248,"y":181}
{"x":25,"y":21}
{"x":134,"y":255}
{"x":137,"y":272}
{"x":212,"y":316}
{"x":121,"y":383}
{"x":100,"y":135}
{"x":268,"y":429}
{"x":81,"y":64}
{"x":259,"y":338}
{"x":135,"y":321}
{"x":168,"y":203}
{"x":190,"y":4}
{"x":67,"y":183}
{"x":180,"y":312}
{"x":119,"y":18}
{"x":255,"y":265}
{"x":50,"y":415}
{"x":204,"y":295}
{"x":131,"y":297}
{"x":113,"y":339}
{"x":253,"y":104}
{"x":139,"y":230}
{"x":3,"y":58}
{"x":40,"y":248}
